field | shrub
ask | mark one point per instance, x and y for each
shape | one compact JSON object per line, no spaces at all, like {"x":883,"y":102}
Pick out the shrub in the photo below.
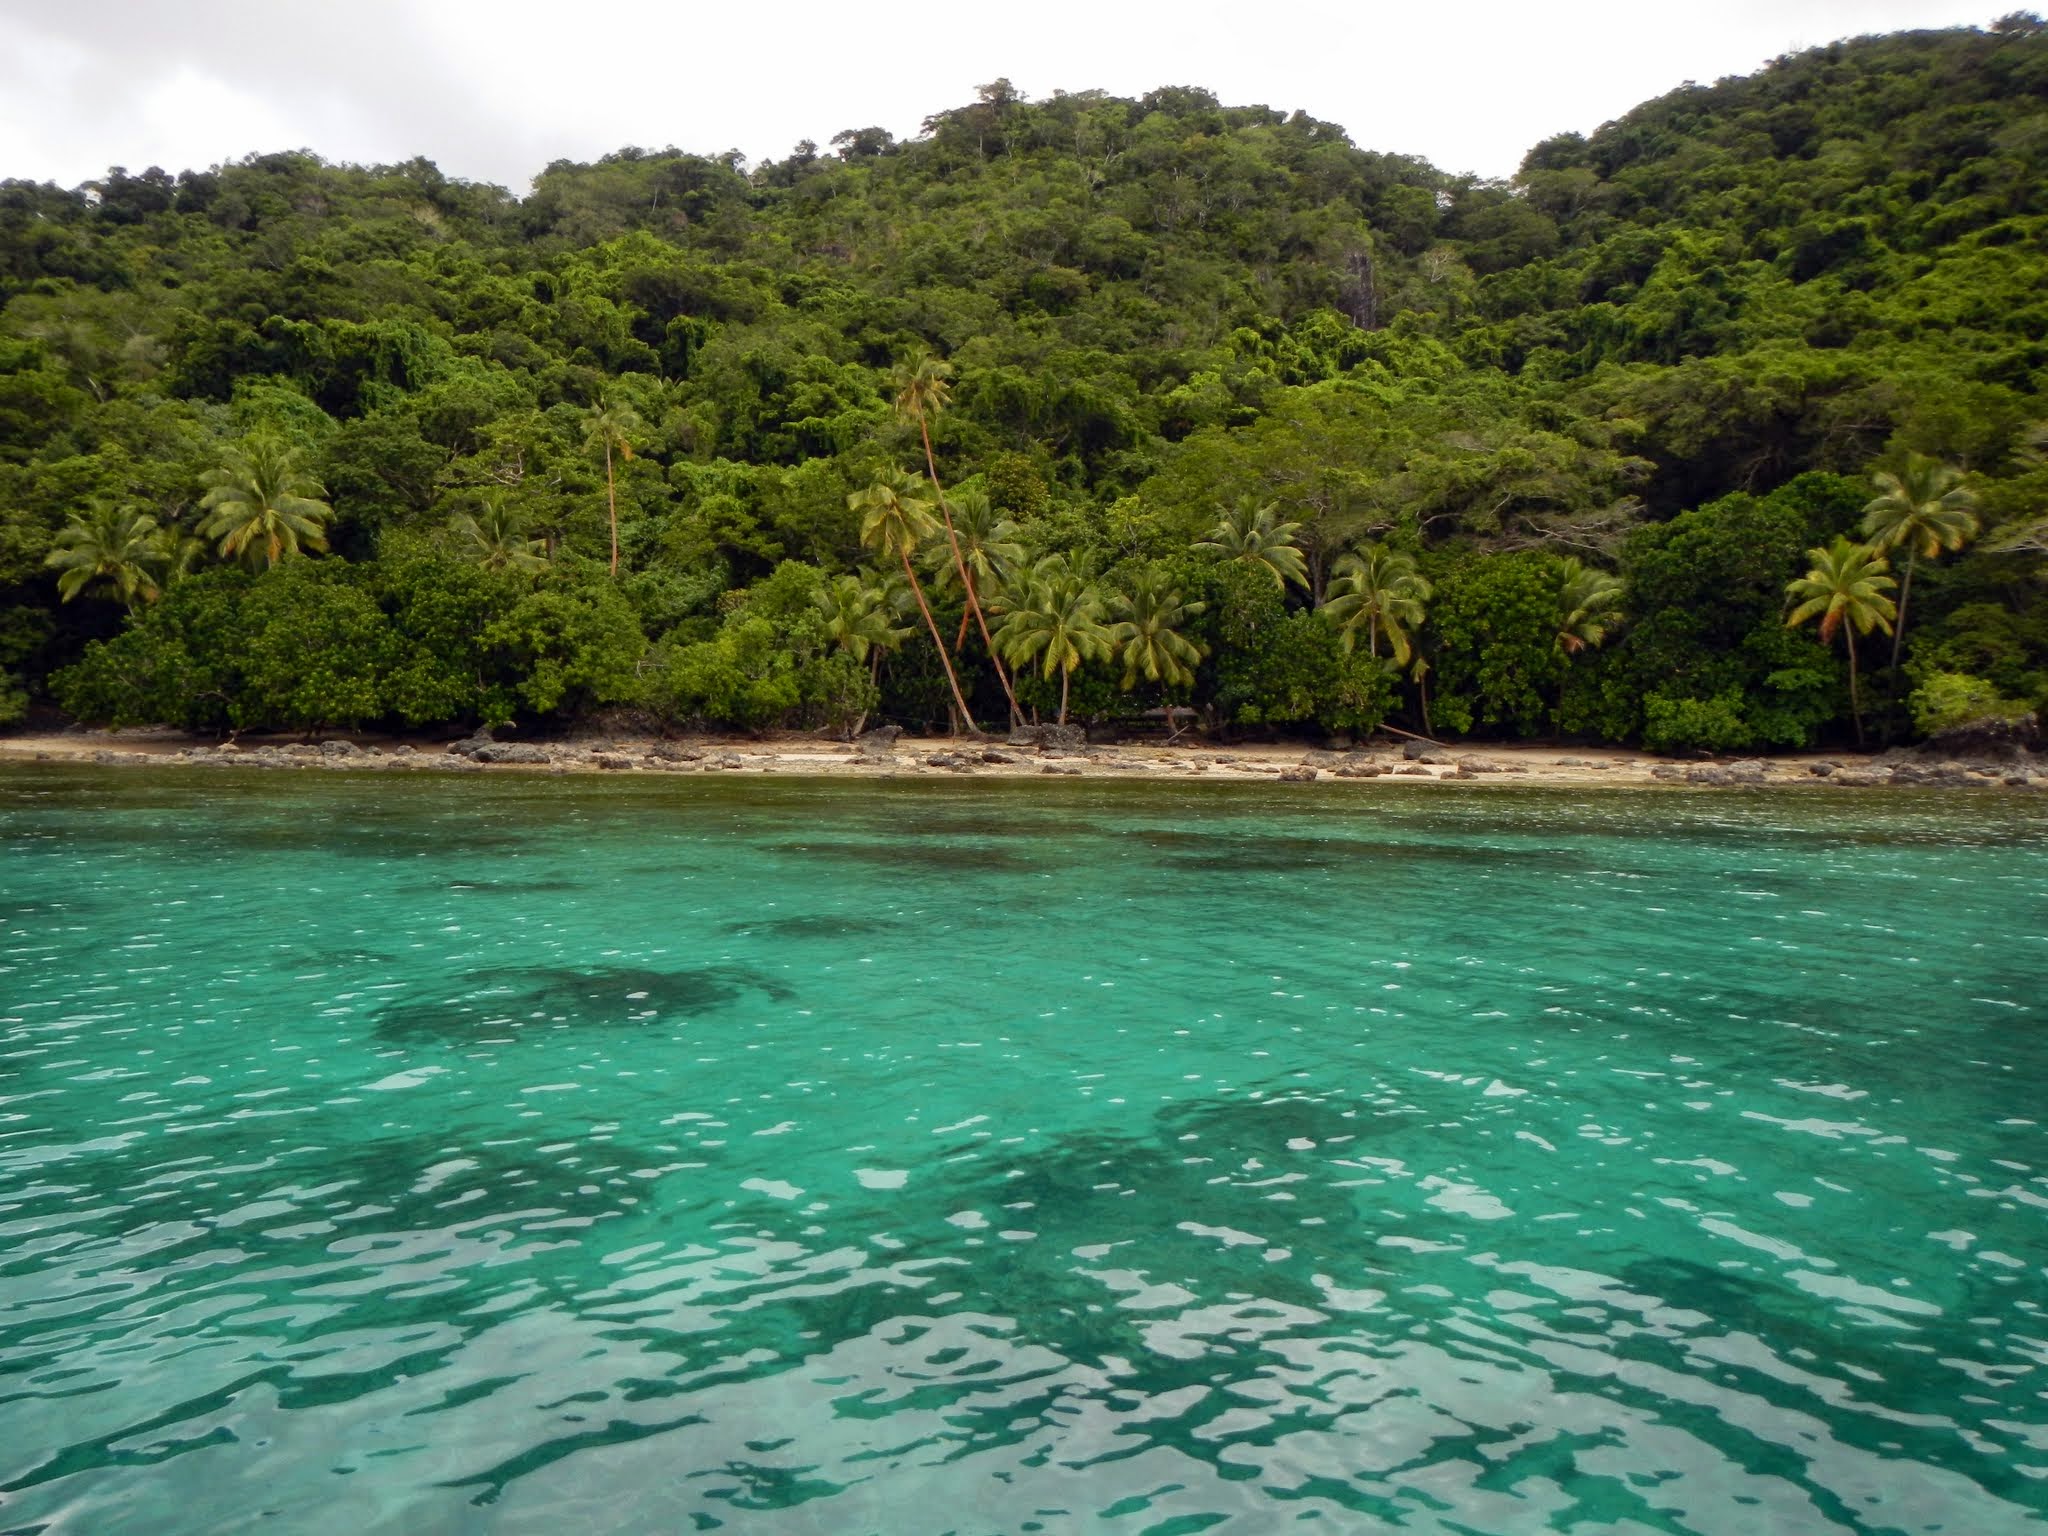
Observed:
{"x":1948,"y":699}
{"x":1705,"y":725}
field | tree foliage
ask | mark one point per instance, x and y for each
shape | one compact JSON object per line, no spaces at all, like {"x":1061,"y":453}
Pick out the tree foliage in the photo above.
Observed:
{"x":552,"y":439}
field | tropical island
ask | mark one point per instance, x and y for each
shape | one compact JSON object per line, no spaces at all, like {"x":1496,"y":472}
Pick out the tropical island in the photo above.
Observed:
{"x":1718,"y":431}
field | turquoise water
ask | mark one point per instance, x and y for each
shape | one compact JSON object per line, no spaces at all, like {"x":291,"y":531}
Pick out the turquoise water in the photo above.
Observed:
{"x":526,"y":1155}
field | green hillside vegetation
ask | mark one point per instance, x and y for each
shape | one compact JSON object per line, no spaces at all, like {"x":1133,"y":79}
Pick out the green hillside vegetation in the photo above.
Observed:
{"x":1081,"y":407}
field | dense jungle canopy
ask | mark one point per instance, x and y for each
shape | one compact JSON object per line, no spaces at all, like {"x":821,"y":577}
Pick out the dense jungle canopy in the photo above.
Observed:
{"x":1153,"y":401}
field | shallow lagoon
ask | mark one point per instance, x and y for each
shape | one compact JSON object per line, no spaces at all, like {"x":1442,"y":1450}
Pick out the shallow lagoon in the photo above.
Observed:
{"x":530,"y":1155}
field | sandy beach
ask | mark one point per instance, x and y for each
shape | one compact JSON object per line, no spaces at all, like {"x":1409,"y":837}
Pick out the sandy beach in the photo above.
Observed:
{"x":994,"y":757}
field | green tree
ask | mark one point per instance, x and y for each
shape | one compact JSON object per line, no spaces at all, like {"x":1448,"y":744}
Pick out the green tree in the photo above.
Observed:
{"x":1055,"y":618}
{"x":180,"y":661}
{"x":987,"y":542}
{"x":895,"y":520}
{"x":1150,"y":636}
{"x":313,"y":650}
{"x":1706,"y":646}
{"x":1923,"y":506}
{"x":1381,"y":591}
{"x":743,"y":676}
{"x":497,"y":537}
{"x":262,"y":506}
{"x":923,"y":390}
{"x":183,"y":553}
{"x":773,"y":661}
{"x":1496,"y":655}
{"x":860,"y":619}
{"x":1276,"y":668}
{"x":1251,"y":534}
{"x":567,"y":646}
{"x":441,"y":609}
{"x":1588,"y":603}
{"x":610,"y":427}
{"x":122,"y":549}
{"x":1149,"y":632}
{"x":1844,"y":588}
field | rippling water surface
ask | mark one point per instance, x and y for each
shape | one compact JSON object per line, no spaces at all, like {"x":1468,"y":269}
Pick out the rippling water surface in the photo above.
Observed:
{"x":536,"y":1156}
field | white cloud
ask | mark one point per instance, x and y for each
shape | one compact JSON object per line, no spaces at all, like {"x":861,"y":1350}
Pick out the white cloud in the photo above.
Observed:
{"x":199,"y":119}
{"x":494,"y":89}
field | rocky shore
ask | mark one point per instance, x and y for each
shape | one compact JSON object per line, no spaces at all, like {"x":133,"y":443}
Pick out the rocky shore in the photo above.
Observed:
{"x":1048,"y":751}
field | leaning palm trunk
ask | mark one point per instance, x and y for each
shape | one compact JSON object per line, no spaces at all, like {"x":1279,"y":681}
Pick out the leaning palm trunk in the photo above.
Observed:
{"x":611,"y":494}
{"x":875,"y":678}
{"x":966,"y":580}
{"x":938,"y":640}
{"x":1855,"y":704}
{"x":966,"y":614}
{"x":1898,"y":638}
{"x":1066,"y":677}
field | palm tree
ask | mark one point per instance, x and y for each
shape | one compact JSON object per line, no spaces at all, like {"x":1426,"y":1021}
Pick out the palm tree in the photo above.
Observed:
{"x":1383,"y":592}
{"x":1056,"y":618}
{"x":495,"y":537}
{"x":183,"y":550}
{"x":1588,"y":604}
{"x":987,"y":542}
{"x":263,"y":507}
{"x":895,"y":519}
{"x":122,"y":547}
{"x":1846,"y":588}
{"x":1148,"y":633}
{"x":611,"y":426}
{"x":897,"y":597}
{"x":923,"y":390}
{"x":859,"y":619}
{"x":1148,"y":637}
{"x":1252,"y":535}
{"x":1420,"y":672}
{"x":2029,"y":535}
{"x":1925,"y":506}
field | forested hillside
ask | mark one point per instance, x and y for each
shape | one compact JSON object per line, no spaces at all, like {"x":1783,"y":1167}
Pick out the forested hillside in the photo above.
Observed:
{"x":1112,"y":403}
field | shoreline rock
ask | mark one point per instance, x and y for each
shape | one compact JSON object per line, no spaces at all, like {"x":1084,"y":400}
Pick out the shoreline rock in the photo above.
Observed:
{"x":509,"y":752}
{"x":886,"y":752}
{"x":1049,"y":738}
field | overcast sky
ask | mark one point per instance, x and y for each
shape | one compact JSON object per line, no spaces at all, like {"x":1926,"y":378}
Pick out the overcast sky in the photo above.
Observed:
{"x":492,"y":90}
